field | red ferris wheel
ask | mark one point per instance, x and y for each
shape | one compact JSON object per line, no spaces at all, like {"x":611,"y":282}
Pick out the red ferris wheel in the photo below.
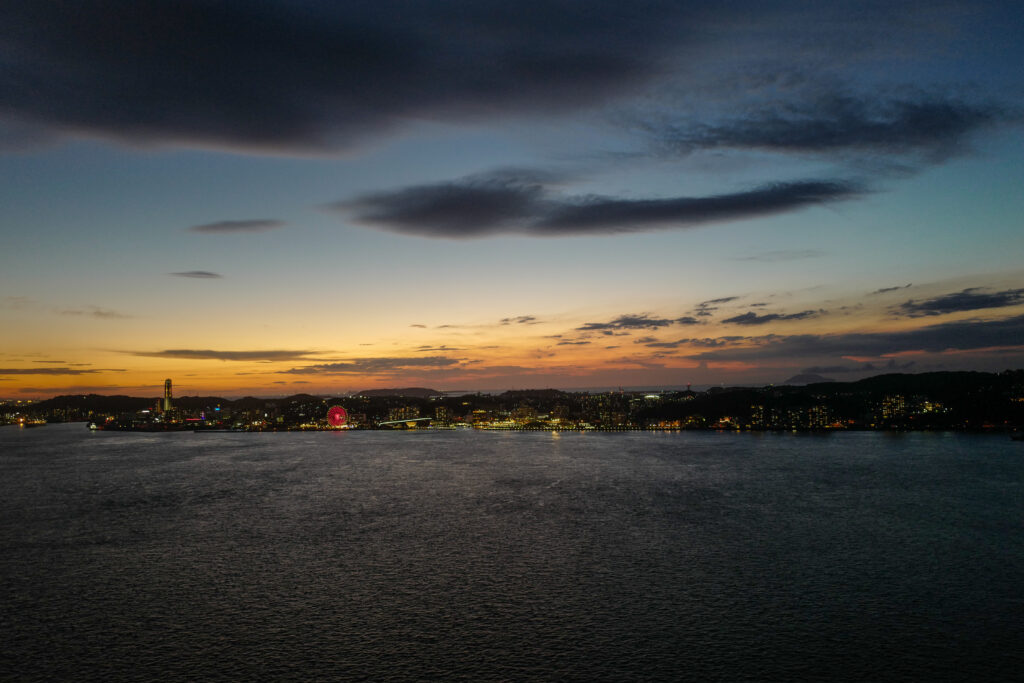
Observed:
{"x":337,"y":416}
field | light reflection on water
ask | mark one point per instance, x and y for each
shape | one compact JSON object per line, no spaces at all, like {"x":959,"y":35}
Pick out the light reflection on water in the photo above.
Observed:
{"x":510,"y":555}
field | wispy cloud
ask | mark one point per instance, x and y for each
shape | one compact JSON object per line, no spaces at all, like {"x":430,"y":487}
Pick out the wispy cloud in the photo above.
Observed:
{"x":751,"y":318}
{"x":16,"y":303}
{"x":631,"y":322}
{"x":706,"y":342}
{"x":783,"y":255}
{"x":83,"y":389}
{"x":885,"y":290}
{"x":238,"y":227}
{"x":707,"y":308}
{"x":57,"y":371}
{"x":520,"y":320}
{"x":357,"y":366}
{"x":930,"y":126}
{"x":198,"y":274}
{"x":208,"y":354}
{"x":62,"y":362}
{"x":95,"y":312}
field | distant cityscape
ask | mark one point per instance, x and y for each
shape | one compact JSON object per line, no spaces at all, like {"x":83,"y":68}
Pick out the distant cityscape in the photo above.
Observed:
{"x":973,"y":401}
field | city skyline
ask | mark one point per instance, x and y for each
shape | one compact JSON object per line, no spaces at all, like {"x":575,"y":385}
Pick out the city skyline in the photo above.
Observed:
{"x":309,"y":198}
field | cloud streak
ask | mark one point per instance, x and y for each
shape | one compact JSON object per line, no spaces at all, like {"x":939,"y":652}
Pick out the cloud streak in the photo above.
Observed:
{"x":629,"y":322}
{"x":96,"y":312}
{"x":238,"y":227}
{"x":358,"y":366}
{"x":886,"y":290}
{"x":56,"y":371}
{"x":208,"y":354}
{"x":783,"y":255}
{"x":932,"y":126}
{"x":751,"y":318}
{"x":706,"y":309}
{"x":198,"y":274}
{"x":520,"y":320}
{"x":483,"y":206}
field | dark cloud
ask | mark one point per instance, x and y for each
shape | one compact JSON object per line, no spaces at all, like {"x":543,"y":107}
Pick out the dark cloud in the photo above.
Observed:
{"x":375,"y":365}
{"x":751,"y":318}
{"x":707,"y":342}
{"x":486,"y":205}
{"x":664,"y":344}
{"x":418,"y":325}
{"x":605,"y":214}
{"x":573,"y":342}
{"x":198,"y":274}
{"x":520,"y":320}
{"x":783,"y":255}
{"x":953,"y":336}
{"x":629,"y":322}
{"x":883,"y":290}
{"x":971,"y":299}
{"x":933,"y":126}
{"x":206,"y":354}
{"x":474,"y":206}
{"x":308,"y":76}
{"x":312,"y":76}
{"x":235,"y":227}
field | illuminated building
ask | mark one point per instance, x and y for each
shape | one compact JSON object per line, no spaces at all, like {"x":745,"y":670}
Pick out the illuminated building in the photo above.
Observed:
{"x":443,"y":415}
{"x":167,"y":396}
{"x":893,"y":406}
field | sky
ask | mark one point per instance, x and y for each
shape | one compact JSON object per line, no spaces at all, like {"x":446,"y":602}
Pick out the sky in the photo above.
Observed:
{"x":319,"y":197}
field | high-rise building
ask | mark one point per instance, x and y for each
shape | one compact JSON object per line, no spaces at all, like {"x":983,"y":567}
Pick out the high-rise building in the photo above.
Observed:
{"x":167,"y":396}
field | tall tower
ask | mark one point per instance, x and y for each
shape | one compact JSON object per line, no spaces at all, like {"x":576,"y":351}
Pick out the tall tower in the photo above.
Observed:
{"x":167,"y":396}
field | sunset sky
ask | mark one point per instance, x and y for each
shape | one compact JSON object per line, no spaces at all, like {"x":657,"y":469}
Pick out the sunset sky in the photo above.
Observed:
{"x":280,"y":197}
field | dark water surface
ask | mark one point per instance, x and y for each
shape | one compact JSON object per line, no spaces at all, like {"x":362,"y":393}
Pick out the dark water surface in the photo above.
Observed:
{"x":510,"y":556}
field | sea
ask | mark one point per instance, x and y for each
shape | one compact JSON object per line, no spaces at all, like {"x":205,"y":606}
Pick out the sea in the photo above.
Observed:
{"x":510,"y":556}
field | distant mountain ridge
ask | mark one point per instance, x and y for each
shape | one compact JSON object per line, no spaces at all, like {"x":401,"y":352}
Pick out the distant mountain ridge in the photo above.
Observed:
{"x":414,"y":392}
{"x":807,"y":378}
